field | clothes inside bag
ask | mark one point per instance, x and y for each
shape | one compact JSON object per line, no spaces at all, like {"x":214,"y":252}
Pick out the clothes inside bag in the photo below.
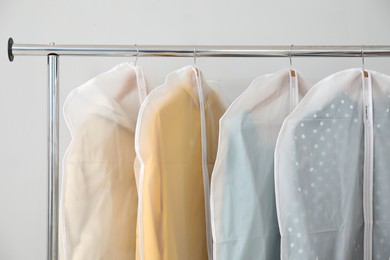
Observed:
{"x":176,"y":144}
{"x":99,"y":196}
{"x":331,"y":190}
{"x":243,"y":206}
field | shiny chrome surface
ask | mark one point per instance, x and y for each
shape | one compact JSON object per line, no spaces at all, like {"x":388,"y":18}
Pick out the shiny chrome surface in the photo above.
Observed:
{"x":201,"y":50}
{"x":53,"y":155}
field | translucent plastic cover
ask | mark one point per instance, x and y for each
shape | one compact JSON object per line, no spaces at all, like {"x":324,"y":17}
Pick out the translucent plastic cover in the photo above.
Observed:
{"x":243,"y":206}
{"x":176,"y":145}
{"x":381,"y":174}
{"x":99,"y":197}
{"x":322,"y":188}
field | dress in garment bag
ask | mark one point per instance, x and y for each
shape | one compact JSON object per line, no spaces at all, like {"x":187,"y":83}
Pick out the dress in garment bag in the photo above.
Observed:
{"x":332,"y":188}
{"x":176,"y":144}
{"x":99,"y":196}
{"x":243,"y":206}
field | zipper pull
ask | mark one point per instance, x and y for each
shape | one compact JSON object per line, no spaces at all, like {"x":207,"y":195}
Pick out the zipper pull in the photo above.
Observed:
{"x":294,"y":95}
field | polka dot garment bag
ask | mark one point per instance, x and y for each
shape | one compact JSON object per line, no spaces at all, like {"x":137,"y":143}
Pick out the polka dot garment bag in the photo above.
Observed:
{"x":332,"y":170}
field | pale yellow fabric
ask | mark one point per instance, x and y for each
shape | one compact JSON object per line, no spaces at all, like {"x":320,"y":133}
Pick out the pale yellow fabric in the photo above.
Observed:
{"x":100,"y":201}
{"x":173,"y":209}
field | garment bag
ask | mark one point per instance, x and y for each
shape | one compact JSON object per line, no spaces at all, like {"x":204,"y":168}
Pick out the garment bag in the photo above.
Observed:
{"x":99,"y":196}
{"x":243,"y":207}
{"x":176,"y":144}
{"x":381,"y":166}
{"x":332,"y":173}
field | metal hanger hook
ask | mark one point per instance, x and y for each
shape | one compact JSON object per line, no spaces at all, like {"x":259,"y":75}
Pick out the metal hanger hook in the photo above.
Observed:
{"x":292,"y":45}
{"x":363,"y":57}
{"x":136,"y":57}
{"x":194,"y":55}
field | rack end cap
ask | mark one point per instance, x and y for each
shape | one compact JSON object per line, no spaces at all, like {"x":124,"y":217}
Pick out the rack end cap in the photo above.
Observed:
{"x":10,"y":44}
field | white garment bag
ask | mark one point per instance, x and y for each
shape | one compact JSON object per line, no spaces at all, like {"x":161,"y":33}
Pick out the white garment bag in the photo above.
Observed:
{"x":98,"y":210}
{"x":243,"y":211}
{"x":176,"y":144}
{"x":332,"y":178}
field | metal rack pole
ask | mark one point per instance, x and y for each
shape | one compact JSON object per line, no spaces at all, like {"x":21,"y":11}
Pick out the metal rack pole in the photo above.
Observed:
{"x":201,"y":50}
{"x":53,"y":155}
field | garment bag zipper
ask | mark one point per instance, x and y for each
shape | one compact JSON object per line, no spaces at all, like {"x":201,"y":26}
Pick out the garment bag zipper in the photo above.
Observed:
{"x":294,"y":95}
{"x":368,"y":166}
{"x":206,"y":183}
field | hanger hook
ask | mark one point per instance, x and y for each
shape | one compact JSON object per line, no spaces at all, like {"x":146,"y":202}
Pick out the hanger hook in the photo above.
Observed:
{"x":194,"y":55}
{"x":292,"y":45}
{"x":136,"y":57}
{"x":362,"y":56}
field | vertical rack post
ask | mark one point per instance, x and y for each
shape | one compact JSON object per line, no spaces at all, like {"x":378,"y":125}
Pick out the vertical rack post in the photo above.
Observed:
{"x":53,"y":155}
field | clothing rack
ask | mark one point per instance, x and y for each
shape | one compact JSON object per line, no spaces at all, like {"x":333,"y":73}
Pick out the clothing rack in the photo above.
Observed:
{"x":53,"y":51}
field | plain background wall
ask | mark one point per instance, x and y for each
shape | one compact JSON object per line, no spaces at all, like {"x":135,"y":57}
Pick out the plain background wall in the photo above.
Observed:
{"x":23,"y":83}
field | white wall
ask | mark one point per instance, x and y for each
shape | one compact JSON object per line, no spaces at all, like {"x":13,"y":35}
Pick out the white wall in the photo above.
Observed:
{"x":23,"y":83}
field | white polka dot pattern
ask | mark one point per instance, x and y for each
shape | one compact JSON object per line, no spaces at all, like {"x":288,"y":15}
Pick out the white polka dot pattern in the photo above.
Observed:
{"x":319,"y":179}
{"x":381,"y":207}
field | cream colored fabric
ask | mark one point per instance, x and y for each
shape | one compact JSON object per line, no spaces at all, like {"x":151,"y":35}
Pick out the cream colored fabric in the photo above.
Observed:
{"x":172,"y":217}
{"x":99,"y":196}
